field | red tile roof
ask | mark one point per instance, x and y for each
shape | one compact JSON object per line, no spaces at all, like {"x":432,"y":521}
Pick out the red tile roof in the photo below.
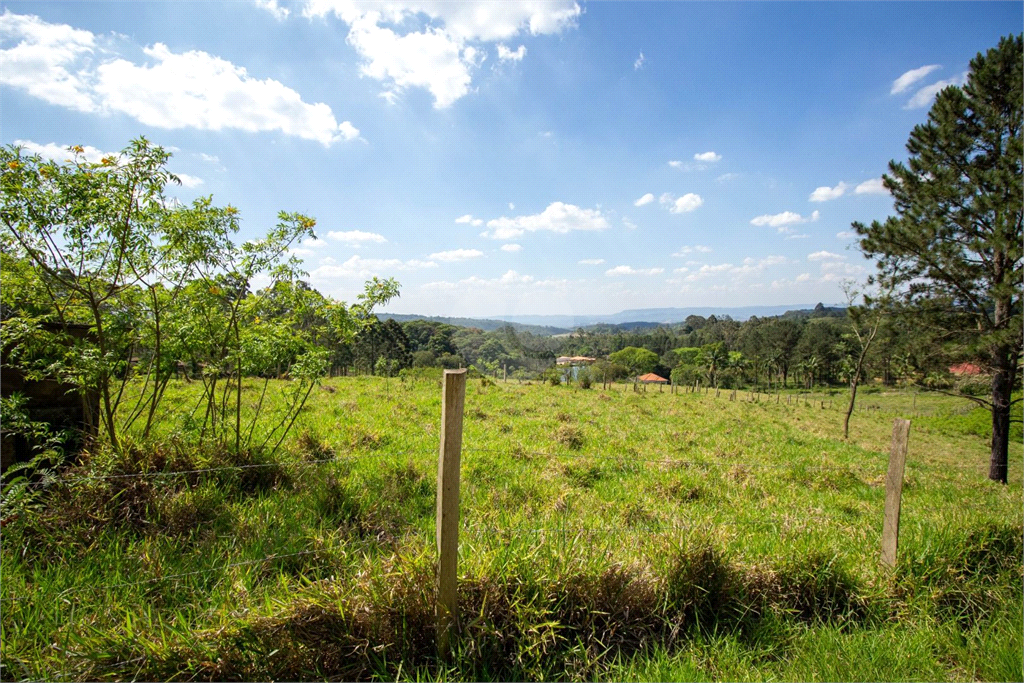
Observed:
{"x":651,"y":377}
{"x":966,"y":369}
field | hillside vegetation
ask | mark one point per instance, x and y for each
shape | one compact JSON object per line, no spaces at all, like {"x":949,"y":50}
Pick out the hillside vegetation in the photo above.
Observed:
{"x":605,"y":535}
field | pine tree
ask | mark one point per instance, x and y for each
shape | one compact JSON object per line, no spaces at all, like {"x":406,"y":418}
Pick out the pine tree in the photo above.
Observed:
{"x":954,"y":247}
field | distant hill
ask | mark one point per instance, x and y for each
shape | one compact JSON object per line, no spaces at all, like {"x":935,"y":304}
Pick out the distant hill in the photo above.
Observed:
{"x":633,"y":319}
{"x":485,"y":324}
{"x":660,"y":315}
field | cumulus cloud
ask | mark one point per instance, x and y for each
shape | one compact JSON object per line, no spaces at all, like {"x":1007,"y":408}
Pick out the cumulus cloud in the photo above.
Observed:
{"x":629,"y":270}
{"x":591,"y":261}
{"x":505,"y":54}
{"x":356,"y":237}
{"x":823,"y":256}
{"x":833,"y":271}
{"x":911,"y":77}
{"x":401,"y":50}
{"x":557,"y":217}
{"x":697,"y":248}
{"x":639,"y":62}
{"x":825,"y":193}
{"x":278,"y":12}
{"x":924,"y":96}
{"x":512,"y":247}
{"x":55,"y":152}
{"x":359,"y":267}
{"x":706,"y":271}
{"x":70,"y":67}
{"x":60,"y":153}
{"x":873,"y":186}
{"x":707,"y":156}
{"x":189,"y":180}
{"x":469,"y":220}
{"x":688,"y":202}
{"x":456,"y":255}
{"x":783,"y":220}
{"x":646,"y":199}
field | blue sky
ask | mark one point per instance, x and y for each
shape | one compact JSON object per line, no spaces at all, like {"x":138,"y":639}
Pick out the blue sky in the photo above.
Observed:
{"x":514,"y":158}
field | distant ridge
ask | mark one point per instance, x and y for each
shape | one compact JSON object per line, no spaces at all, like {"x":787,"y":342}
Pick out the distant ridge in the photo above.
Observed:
{"x":628,"y":319}
{"x":485,"y":324}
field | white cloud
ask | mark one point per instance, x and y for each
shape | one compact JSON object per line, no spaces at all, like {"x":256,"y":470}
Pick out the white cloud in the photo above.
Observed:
{"x":511,"y":206}
{"x":646,"y":199}
{"x":58,"y":153}
{"x":725,"y":177}
{"x":557,"y":217}
{"x":43,"y":62}
{"x":685,"y":166}
{"x":591,"y":261}
{"x":873,"y":186}
{"x":628,"y":224}
{"x":803,"y":277}
{"x":782,"y":220}
{"x":512,"y":247}
{"x":189,"y":181}
{"x":279,"y":13}
{"x":358,"y":267}
{"x":437,"y":57}
{"x":911,"y":77}
{"x":825,"y":193}
{"x":846,"y":235}
{"x":706,"y":271}
{"x":629,"y":270}
{"x":213,"y":159}
{"x":639,"y":62}
{"x":924,"y":96}
{"x":509,"y":281}
{"x":469,"y":220}
{"x":545,"y":133}
{"x":800,"y":236}
{"x":697,"y":248}
{"x":54,"y":62}
{"x":833,"y":271}
{"x":707,"y":156}
{"x":356,"y":237}
{"x":688,"y":202}
{"x":823,"y":256}
{"x":505,"y":54}
{"x":681,"y":270}
{"x":456,"y":255}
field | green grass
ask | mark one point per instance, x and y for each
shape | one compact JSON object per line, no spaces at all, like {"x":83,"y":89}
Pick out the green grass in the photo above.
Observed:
{"x":605,"y":535}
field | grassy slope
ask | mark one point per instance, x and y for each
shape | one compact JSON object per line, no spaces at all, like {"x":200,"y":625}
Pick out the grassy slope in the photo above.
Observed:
{"x":606,"y":534}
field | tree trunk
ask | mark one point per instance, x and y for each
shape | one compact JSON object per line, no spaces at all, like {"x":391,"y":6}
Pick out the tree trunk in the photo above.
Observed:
{"x":849,"y":408}
{"x":1002,"y":384}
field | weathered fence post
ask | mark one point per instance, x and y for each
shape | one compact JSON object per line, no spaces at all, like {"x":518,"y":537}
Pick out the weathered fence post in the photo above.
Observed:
{"x":894,"y":490}
{"x":453,"y":394}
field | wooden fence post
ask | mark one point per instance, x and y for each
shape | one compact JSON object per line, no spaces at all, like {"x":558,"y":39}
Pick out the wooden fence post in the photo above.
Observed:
{"x":453,"y":394}
{"x":894,"y":491}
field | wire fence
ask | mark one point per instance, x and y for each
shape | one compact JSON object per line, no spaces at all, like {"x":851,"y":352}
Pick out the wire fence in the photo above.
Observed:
{"x":799,"y":520}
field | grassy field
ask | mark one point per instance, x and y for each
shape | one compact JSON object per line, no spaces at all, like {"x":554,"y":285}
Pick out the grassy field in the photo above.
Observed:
{"x":606,"y":534}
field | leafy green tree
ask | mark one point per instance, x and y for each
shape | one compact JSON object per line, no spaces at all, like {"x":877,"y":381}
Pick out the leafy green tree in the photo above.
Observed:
{"x":636,"y":360}
{"x":954,"y":248}
{"x":714,"y":358}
